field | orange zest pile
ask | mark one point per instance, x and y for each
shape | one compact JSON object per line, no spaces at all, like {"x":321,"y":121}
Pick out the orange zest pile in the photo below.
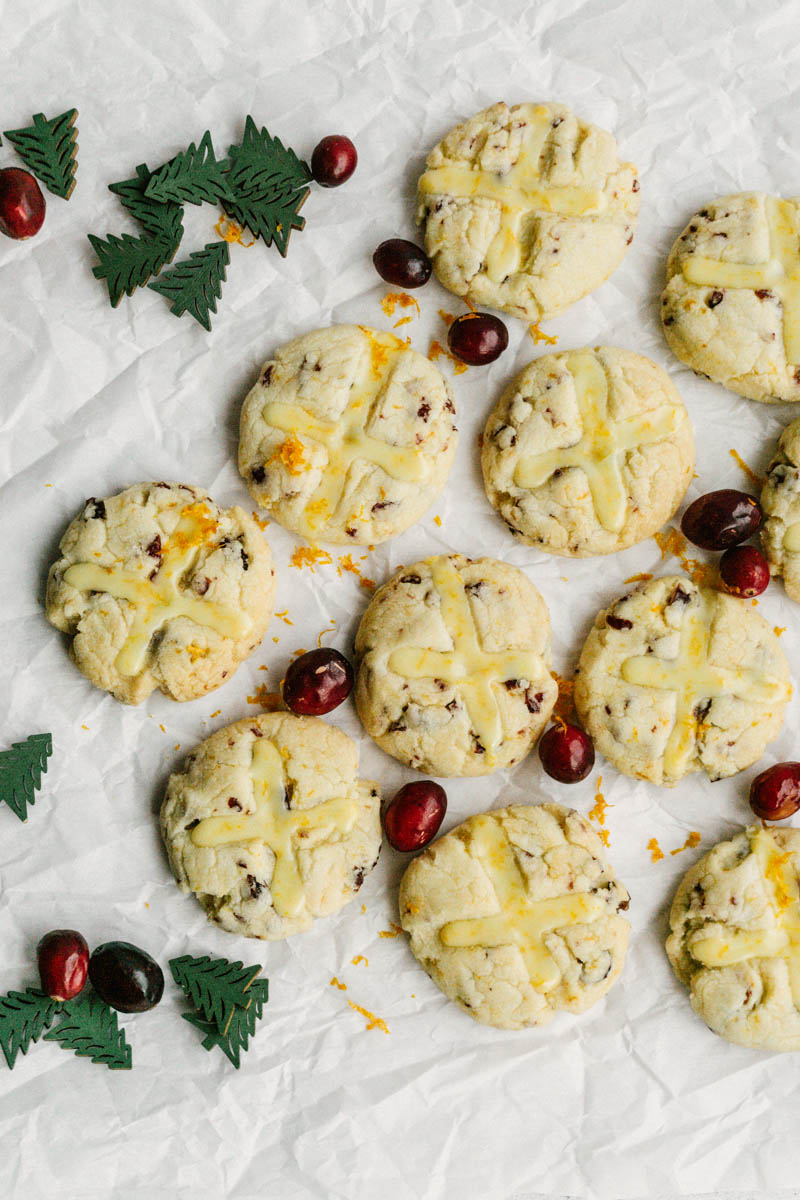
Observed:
{"x":229,"y":231}
{"x":290,"y":454}
{"x":756,"y":480}
{"x":373,"y":1022}
{"x":437,"y":351}
{"x":309,"y":556}
{"x":656,"y":853}
{"x":671,"y":542}
{"x":269,"y":701}
{"x":692,"y":840}
{"x":537,"y":335}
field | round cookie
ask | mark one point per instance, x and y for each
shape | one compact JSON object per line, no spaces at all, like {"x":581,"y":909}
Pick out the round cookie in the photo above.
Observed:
{"x":674,"y":678}
{"x":453,"y":666}
{"x":269,"y":825}
{"x":731,"y":307}
{"x":735,"y":941}
{"x":161,"y":588}
{"x":514,"y":915}
{"x":780,"y":503}
{"x":588,"y":452}
{"x":348,"y":436}
{"x":526,"y":209}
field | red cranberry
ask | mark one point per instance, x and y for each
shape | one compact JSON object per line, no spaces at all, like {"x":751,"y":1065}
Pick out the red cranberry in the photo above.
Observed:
{"x":744,"y":571}
{"x":721,"y":519}
{"x":334,"y":160}
{"x":775,"y":793}
{"x":22,"y":204}
{"x":402,"y":263}
{"x":477,"y":338}
{"x":413,"y":817}
{"x":566,"y":753}
{"x":317,"y":682}
{"x":63,"y":958}
{"x":127,"y":978}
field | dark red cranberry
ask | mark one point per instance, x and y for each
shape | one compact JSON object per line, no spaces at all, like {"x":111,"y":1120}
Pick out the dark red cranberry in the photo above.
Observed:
{"x":126,"y":977}
{"x":63,"y":958}
{"x":414,"y":815}
{"x":566,"y":753}
{"x":402,"y":263}
{"x":22,"y":205}
{"x":317,"y":682}
{"x":477,"y":338}
{"x":744,"y":571}
{"x":721,"y":519}
{"x":775,"y":793}
{"x":334,"y":160}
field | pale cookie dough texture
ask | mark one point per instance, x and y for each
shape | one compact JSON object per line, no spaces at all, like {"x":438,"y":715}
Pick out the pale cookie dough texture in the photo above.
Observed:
{"x":526,"y":209}
{"x":780,"y":503}
{"x":160,"y":588}
{"x":731,"y":307}
{"x":514,"y":914}
{"x":674,"y":678}
{"x":453,"y":666}
{"x":348,"y":436}
{"x":735,"y":938}
{"x":588,"y":452}
{"x":269,"y":825}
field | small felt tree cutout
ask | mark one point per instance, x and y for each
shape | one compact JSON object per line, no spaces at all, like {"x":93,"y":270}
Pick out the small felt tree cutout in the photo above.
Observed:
{"x":193,"y":176}
{"x":21,"y":770}
{"x":24,"y":1016}
{"x":90,"y":1029}
{"x":49,"y":149}
{"x":268,"y":185}
{"x":159,"y":218}
{"x":215,"y":986}
{"x":241,"y":1027}
{"x":195,"y":285}
{"x":127,"y":262}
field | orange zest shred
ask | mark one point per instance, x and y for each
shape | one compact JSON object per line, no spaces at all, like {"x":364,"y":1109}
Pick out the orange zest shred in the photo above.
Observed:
{"x":672,"y":542}
{"x":402,"y":321}
{"x":290,"y":453}
{"x":229,"y":231}
{"x":194,"y":651}
{"x":271,"y":701}
{"x":309,"y":556}
{"x":437,"y":521}
{"x":778,"y":630}
{"x":202,"y":525}
{"x":565,"y":705}
{"x":598,"y":812}
{"x":642,"y":577}
{"x":298,"y":653}
{"x":346,"y":564}
{"x":538,"y":336}
{"x":260,"y":522}
{"x":379,"y":354}
{"x":373,"y":1022}
{"x":447,"y":317}
{"x":656,"y":853}
{"x":774,"y":873}
{"x":692,"y":840}
{"x":283,"y":615}
{"x":755,"y":479}
{"x":360,"y":958}
{"x":390,"y":933}
{"x":393,"y":300}
{"x":322,"y":632}
{"x":341,"y":986}
{"x":437,"y":351}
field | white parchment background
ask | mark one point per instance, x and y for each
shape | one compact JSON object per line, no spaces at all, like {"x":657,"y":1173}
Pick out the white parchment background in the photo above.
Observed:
{"x":636,"y":1097}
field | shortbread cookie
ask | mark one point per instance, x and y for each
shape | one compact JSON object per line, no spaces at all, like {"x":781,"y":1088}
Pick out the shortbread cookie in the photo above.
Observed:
{"x":515,"y":915}
{"x":780,"y":502}
{"x":526,"y":209}
{"x":588,"y":452}
{"x":735,"y":938}
{"x":453,"y":660}
{"x":731,"y":307}
{"x":675,"y":678}
{"x":348,"y":436}
{"x":160,"y":588}
{"x":269,"y":825}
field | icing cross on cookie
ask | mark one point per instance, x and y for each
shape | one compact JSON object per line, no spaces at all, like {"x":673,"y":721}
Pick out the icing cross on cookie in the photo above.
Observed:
{"x":163,"y":598}
{"x":470,"y":668}
{"x":602,"y":445}
{"x":521,"y":922}
{"x":521,"y":192}
{"x":345,"y":439}
{"x":779,"y":274}
{"x":277,"y":826}
{"x":694,"y":680}
{"x":781,"y":940}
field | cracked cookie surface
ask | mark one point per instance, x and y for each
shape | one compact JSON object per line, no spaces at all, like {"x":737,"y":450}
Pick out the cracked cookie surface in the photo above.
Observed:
{"x":514,"y":914}
{"x":160,"y":588}
{"x":526,"y":209}
{"x":588,"y":452}
{"x":780,"y":503}
{"x":348,"y":436}
{"x":269,"y":825}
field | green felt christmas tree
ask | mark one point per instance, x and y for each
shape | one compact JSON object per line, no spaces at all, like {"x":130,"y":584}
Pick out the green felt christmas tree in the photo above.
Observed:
{"x":127,"y":262}
{"x":158,"y":218}
{"x":241,"y":1027}
{"x":215,"y":986}
{"x":24,"y":1016}
{"x":49,"y":149}
{"x":195,"y":285}
{"x":268,"y":185}
{"x":21,"y":770}
{"x":194,"y":176}
{"x":90,"y":1029}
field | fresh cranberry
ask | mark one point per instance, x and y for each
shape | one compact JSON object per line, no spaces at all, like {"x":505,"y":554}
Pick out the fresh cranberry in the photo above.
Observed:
{"x":744,"y":571}
{"x":775,"y":793}
{"x":721,"y":519}
{"x":317,"y":682}
{"x":414,"y":815}
{"x":22,"y":205}
{"x":127,"y":978}
{"x":63,"y":958}
{"x":477,"y":338}
{"x":402,"y":263}
{"x":566,"y":753}
{"x":334,"y":160}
